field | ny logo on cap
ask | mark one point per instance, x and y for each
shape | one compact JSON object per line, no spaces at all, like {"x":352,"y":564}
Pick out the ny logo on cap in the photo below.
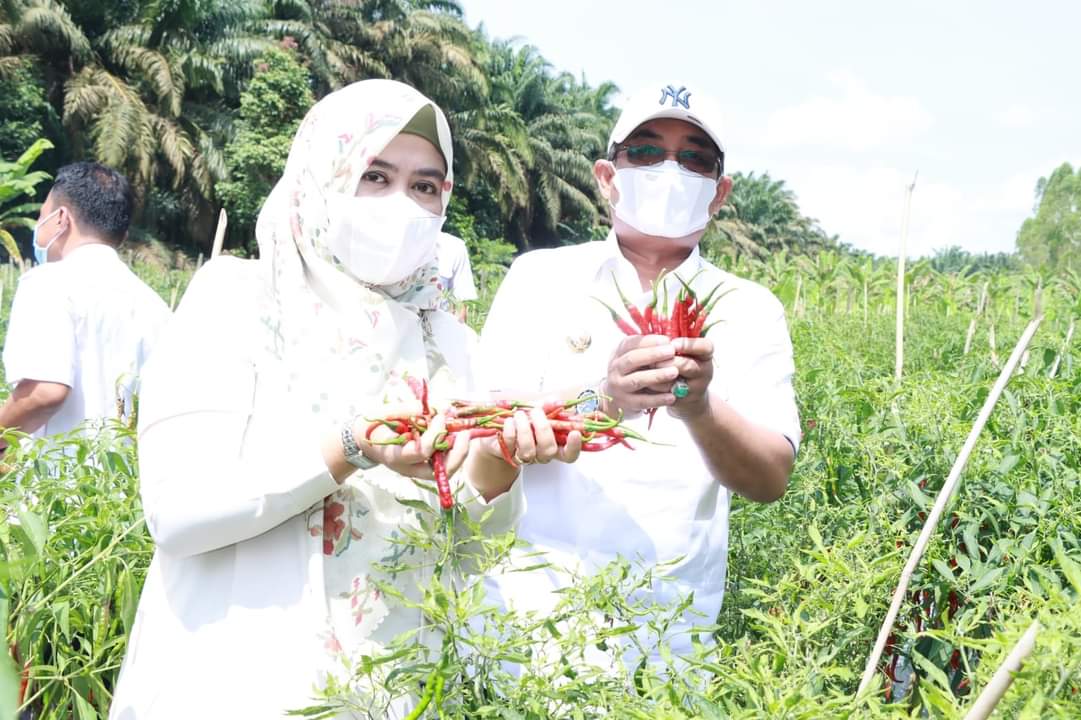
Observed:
{"x":679,"y":97}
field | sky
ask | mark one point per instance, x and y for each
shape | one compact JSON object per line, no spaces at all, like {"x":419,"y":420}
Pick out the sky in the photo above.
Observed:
{"x":846,"y":100}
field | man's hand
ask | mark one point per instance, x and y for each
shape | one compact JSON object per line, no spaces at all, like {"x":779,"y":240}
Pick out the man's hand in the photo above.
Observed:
{"x":640,"y":374}
{"x":529,"y":438}
{"x":694,"y":362}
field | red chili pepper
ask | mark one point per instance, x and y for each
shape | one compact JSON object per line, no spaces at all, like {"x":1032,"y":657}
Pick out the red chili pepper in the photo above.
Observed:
{"x":506,"y":451}
{"x":618,"y":434}
{"x":24,"y":676}
{"x":598,"y":445}
{"x":442,"y":484}
{"x":651,"y":324}
{"x":620,"y":322}
{"x":638,"y":318}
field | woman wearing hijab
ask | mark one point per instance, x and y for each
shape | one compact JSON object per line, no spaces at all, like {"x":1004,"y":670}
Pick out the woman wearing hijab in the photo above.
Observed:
{"x":270,"y":510}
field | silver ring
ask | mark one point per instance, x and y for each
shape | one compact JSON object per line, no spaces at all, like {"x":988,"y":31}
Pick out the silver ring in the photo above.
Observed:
{"x":680,"y":388}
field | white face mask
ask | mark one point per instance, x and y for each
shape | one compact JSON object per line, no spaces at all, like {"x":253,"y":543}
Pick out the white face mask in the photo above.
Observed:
{"x":664,"y":200}
{"x":41,"y":253}
{"x":381,"y":240}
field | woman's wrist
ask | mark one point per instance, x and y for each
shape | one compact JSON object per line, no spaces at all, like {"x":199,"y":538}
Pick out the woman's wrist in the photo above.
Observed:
{"x":487,"y":471}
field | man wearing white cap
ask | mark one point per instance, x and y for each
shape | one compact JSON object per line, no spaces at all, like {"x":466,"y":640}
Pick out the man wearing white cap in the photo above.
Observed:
{"x":728,"y":421}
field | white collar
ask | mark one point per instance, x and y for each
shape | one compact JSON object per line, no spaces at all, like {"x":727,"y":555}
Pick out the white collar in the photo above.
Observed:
{"x":612,"y":259}
{"x":90,"y":251}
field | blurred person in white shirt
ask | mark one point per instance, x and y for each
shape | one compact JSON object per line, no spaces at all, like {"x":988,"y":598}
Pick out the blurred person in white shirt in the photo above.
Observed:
{"x":733,"y":426}
{"x":82,"y":324}
{"x":455,"y":275}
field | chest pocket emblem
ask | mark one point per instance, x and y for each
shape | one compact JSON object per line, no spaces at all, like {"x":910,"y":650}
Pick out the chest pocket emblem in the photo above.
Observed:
{"x":579,"y":343}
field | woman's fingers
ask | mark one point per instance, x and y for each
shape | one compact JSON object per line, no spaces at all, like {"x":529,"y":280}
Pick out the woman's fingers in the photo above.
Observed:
{"x":526,"y":451}
{"x":570,"y":452}
{"x":546,"y":447}
{"x":436,"y":433}
{"x":457,"y":454}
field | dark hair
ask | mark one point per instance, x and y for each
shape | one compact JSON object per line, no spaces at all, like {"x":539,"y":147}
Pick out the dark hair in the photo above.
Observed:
{"x":100,"y":198}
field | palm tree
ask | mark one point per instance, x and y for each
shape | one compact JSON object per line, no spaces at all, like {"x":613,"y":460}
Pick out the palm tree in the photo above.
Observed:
{"x":144,"y":86}
{"x":762,"y":216}
{"x":565,"y":128}
{"x":337,"y":40}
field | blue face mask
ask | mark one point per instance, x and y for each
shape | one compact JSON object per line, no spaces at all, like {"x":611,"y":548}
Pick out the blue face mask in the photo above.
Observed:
{"x":41,"y":254}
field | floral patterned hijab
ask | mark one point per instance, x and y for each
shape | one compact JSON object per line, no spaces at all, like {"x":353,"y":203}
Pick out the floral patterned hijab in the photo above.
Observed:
{"x":342,"y":340}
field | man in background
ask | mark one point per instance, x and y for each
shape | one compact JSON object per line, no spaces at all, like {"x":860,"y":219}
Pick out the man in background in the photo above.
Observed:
{"x":455,"y":275}
{"x":82,"y":324}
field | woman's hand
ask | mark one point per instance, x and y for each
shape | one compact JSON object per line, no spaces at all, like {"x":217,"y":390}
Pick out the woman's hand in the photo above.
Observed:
{"x":529,"y":438}
{"x":408,"y":459}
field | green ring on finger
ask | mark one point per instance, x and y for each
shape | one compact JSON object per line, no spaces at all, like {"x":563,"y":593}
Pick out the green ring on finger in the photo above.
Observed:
{"x":681,"y":389}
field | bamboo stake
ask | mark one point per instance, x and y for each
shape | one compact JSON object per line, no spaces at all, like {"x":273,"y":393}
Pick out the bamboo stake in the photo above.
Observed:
{"x":1000,"y":681}
{"x":968,"y":338}
{"x":1063,"y":351}
{"x":199,"y":262}
{"x":219,"y":234}
{"x":795,"y":303}
{"x":943,"y":499}
{"x":172,"y":297}
{"x":992,"y":343}
{"x":900,"y":352}
{"x":865,"y":303}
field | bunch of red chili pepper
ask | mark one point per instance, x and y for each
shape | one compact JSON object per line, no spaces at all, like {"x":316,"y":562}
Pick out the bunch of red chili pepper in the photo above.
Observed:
{"x":599,"y":431}
{"x":688,"y":316}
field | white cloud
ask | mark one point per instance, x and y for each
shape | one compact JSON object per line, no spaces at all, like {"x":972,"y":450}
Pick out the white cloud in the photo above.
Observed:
{"x":864,"y":207}
{"x":853,"y":118}
{"x":1016,"y":117}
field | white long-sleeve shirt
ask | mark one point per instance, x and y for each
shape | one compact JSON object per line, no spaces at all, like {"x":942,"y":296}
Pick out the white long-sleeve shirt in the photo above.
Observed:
{"x":234,"y":617}
{"x":547,"y":334}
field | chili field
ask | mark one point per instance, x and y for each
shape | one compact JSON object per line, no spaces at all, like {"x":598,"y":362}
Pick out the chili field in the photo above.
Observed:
{"x":810,"y":577}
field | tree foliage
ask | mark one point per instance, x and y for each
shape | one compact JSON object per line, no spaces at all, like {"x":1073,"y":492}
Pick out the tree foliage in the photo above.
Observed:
{"x":1052,"y":237}
{"x":271,"y":109}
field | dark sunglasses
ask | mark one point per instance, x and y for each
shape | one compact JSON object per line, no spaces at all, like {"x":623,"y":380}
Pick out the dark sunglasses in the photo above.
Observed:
{"x":702,"y":162}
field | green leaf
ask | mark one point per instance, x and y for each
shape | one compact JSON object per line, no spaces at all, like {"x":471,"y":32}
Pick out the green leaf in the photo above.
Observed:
{"x":1070,"y":568}
{"x":129,"y":600}
{"x":35,"y":529}
{"x":85,"y":709}
{"x":932,"y":671}
{"x":986,"y":580}
{"x":9,"y":686}
{"x":62,"y":612}
{"x":944,"y":570}
{"x":418,"y":505}
{"x":1033,"y":709}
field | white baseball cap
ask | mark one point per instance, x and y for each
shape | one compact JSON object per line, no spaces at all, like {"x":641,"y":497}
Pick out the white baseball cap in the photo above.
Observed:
{"x":668,"y":101}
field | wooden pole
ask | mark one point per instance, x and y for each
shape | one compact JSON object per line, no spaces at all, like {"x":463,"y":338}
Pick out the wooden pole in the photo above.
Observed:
{"x":968,"y":337}
{"x":943,"y":499}
{"x":219,"y":234}
{"x":1003,"y":677}
{"x":992,"y":343}
{"x":900,"y":351}
{"x":799,"y":288}
{"x":865,"y":302}
{"x":1063,"y":351}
